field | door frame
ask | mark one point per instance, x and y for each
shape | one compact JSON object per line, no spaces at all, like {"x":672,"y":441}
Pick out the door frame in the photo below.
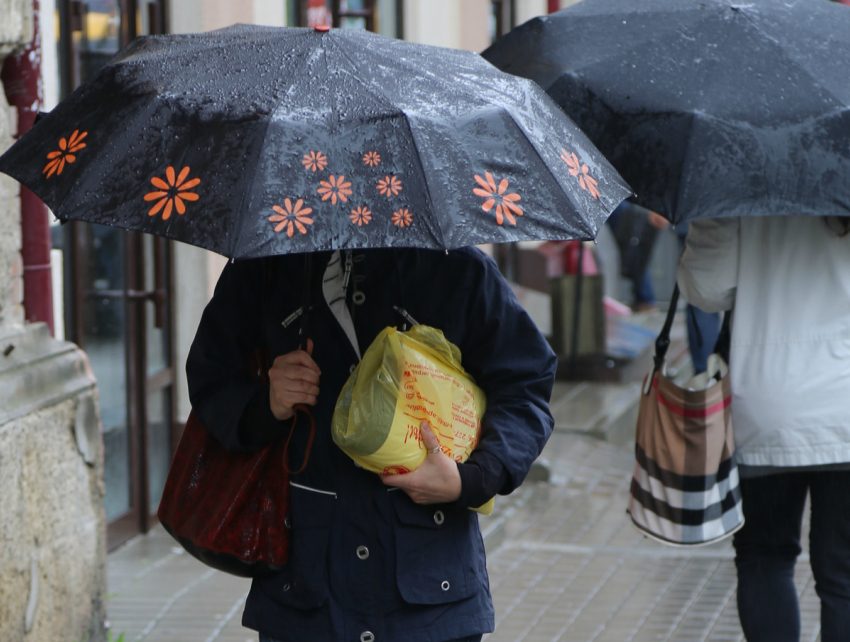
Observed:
{"x":141,"y":517}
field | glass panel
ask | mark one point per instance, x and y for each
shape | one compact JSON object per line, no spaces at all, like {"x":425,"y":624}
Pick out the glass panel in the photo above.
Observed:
{"x":159,"y":443}
{"x":352,"y":23}
{"x":156,"y":338}
{"x":104,"y":327}
{"x":387,"y":18}
{"x":98,"y":41}
{"x":319,"y":13}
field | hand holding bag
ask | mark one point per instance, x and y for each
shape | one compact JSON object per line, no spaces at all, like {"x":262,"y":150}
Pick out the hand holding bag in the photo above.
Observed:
{"x":685,"y":487}
{"x":229,"y":509}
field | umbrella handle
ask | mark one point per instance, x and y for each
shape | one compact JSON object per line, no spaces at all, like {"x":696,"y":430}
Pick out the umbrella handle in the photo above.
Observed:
{"x":305,"y":314}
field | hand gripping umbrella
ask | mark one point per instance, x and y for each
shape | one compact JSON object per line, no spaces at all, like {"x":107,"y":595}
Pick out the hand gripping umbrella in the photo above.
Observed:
{"x":708,"y":108}
{"x":257,"y":141}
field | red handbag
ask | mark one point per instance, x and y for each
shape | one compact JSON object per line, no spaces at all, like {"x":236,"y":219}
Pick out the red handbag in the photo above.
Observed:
{"x":229,"y":509}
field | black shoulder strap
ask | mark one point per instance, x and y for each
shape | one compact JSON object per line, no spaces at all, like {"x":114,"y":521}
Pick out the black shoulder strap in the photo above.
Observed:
{"x":724,"y":339}
{"x":663,"y":340}
{"x":662,"y":343}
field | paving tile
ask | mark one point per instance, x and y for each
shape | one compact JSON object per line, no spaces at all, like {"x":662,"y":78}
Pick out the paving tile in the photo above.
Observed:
{"x":568,"y":566}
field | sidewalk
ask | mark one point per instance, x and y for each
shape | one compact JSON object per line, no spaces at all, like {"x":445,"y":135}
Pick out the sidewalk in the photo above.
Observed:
{"x":565,"y":562}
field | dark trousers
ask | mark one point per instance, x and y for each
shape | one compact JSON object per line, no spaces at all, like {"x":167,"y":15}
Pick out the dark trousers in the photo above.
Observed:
{"x":768,"y":545}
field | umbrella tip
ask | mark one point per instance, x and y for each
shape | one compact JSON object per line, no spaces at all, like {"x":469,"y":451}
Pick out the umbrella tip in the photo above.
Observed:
{"x":322,"y":28}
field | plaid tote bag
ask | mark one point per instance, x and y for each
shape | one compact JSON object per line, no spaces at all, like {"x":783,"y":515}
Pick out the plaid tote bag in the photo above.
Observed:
{"x":685,"y":486}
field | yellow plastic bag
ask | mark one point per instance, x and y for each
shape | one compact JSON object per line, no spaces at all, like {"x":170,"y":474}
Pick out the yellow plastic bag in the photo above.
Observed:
{"x":403,"y":379}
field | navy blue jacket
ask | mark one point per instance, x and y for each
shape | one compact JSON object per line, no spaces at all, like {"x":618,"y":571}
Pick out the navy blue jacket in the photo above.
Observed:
{"x":422,"y":574}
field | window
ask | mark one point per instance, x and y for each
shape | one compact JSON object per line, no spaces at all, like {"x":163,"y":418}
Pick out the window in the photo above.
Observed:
{"x":380,"y":16}
{"x":503,"y":18}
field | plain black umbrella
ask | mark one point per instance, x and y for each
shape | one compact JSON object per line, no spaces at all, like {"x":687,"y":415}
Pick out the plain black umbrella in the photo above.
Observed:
{"x":708,"y":108}
{"x":257,"y":141}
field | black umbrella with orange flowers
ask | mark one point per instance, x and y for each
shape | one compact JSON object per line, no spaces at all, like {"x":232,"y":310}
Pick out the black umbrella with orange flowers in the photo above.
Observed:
{"x":257,"y":141}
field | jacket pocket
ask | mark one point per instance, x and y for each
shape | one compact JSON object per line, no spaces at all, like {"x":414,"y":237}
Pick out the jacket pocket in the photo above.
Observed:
{"x":303,"y":583}
{"x":436,"y":552}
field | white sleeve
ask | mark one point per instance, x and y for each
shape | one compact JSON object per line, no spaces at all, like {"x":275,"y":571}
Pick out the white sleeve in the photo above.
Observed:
{"x":708,"y":267}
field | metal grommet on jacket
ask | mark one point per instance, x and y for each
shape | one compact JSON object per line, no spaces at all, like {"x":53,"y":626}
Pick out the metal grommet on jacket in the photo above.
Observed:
{"x":439,"y":518}
{"x":445,"y":585}
{"x":367,"y":636}
{"x":351,"y":369}
{"x":286,"y":587}
{"x":362,"y":552}
{"x":287,"y":523}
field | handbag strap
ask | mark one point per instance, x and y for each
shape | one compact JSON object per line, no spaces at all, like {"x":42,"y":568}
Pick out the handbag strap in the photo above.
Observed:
{"x":724,"y":339}
{"x":662,"y":343}
{"x":309,"y":446}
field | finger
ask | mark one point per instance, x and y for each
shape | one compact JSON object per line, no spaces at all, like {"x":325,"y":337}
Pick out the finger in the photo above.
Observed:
{"x":295,"y":373}
{"x":403,"y":480}
{"x":395,"y":480}
{"x":297,"y":357}
{"x":429,"y":439}
{"x":292,"y":399}
{"x":296,"y":389}
{"x":310,"y":347}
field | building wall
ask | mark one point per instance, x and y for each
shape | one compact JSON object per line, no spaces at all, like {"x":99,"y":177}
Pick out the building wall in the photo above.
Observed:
{"x":528,"y":9}
{"x":11,"y":265}
{"x":52,"y":525}
{"x":448,"y":23}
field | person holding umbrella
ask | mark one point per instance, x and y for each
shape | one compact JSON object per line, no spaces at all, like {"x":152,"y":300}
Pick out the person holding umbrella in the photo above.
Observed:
{"x":788,"y":281}
{"x":347,"y":177}
{"x":370,"y":561}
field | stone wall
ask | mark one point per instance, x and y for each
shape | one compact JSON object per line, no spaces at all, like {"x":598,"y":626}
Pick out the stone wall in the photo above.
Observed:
{"x":52,"y":523}
{"x":52,"y":535}
{"x":11,"y":266}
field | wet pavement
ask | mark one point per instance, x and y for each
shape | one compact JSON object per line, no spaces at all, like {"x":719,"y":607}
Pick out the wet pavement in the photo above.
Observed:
{"x":565,"y":563}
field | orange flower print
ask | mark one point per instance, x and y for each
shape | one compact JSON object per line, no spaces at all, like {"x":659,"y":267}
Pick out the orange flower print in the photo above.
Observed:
{"x":389,"y":186}
{"x":360,"y":216}
{"x":172,"y":194}
{"x":65,"y":153}
{"x":371,"y":158}
{"x":290,"y":217}
{"x":579,"y":169}
{"x":315,"y":161}
{"x":335,"y":187}
{"x":505,"y":202}
{"x":402,"y":218}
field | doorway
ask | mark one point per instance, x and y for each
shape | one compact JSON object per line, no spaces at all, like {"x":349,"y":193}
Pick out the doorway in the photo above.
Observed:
{"x":117,"y":299}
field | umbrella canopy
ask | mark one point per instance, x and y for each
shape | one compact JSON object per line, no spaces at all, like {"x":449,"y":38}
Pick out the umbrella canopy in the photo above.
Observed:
{"x":256,"y":141}
{"x":708,"y":108}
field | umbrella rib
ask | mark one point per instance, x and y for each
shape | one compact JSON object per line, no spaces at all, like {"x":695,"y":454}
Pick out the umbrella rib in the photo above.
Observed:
{"x":425,"y":180}
{"x":449,"y":85}
{"x":248,"y":190}
{"x":378,"y":92}
{"x":630,"y":45}
{"x":365,"y":84}
{"x":213,"y":46}
{"x":674,"y":214}
{"x":792,"y":59}
{"x":580,"y":212}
